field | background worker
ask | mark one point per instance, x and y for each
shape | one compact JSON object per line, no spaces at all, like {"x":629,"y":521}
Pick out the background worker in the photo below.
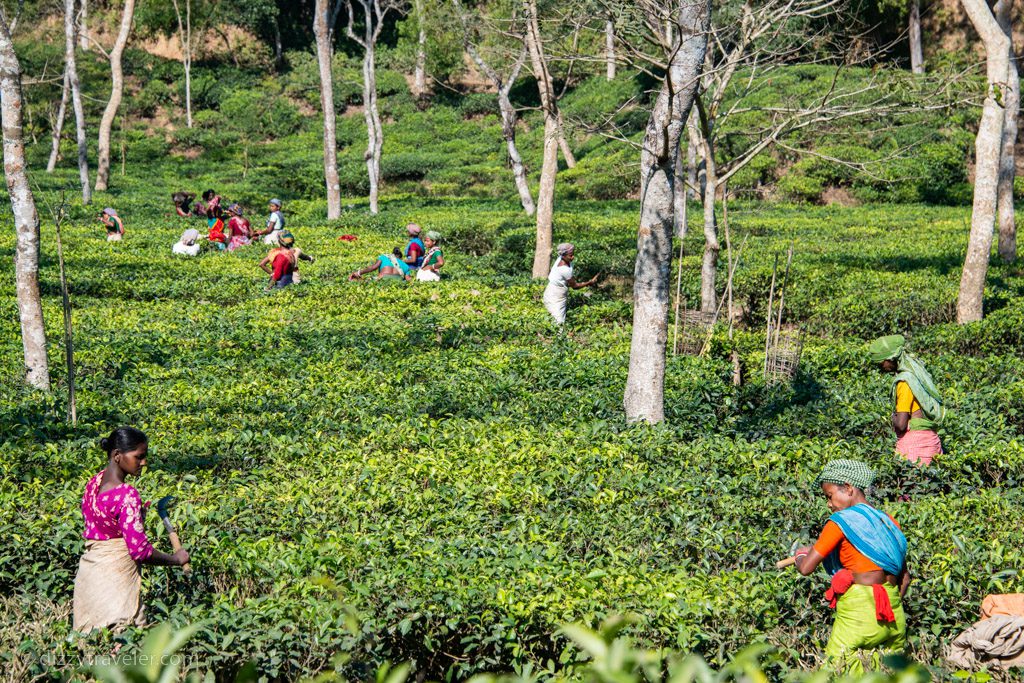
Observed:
{"x":917,"y":404}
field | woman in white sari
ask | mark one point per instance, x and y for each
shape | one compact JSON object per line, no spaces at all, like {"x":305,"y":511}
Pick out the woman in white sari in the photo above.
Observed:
{"x":560,"y":281}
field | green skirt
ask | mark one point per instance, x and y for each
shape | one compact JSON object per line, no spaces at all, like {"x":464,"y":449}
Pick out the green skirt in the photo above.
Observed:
{"x":856,"y":632}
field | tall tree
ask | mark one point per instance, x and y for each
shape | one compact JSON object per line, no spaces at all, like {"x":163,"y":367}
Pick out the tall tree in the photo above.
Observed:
{"x":58,"y":124}
{"x":116,"y":90}
{"x":322,"y":29}
{"x":685,"y":53}
{"x":1007,"y":161}
{"x":420,"y":71}
{"x":609,"y":48}
{"x":83,"y":31}
{"x":914,"y":36}
{"x":987,"y":148}
{"x":553,"y":137}
{"x":71,"y":65}
{"x":509,"y":117}
{"x":373,"y":13}
{"x":26,"y":218}
{"x":185,"y":38}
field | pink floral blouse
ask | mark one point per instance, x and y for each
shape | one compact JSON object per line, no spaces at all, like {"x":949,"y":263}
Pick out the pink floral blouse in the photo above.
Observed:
{"x":116,"y":513}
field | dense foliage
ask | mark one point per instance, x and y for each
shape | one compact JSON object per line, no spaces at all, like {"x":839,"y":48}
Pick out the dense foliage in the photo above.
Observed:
{"x":437,"y":465}
{"x":434,"y":475}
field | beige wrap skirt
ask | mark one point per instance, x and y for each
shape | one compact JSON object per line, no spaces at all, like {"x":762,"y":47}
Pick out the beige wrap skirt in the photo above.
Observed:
{"x":107,"y":587}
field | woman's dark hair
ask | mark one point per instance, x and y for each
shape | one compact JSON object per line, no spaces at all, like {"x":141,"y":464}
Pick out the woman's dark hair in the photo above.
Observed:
{"x":208,"y":195}
{"x":123,"y":439}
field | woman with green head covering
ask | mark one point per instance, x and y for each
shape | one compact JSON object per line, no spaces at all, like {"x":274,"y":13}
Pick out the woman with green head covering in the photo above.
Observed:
{"x":865,"y":553}
{"x":917,"y":408}
{"x":432,"y":260}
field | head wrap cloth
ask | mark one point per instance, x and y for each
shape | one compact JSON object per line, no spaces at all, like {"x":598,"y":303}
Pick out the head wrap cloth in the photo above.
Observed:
{"x":434,"y":235}
{"x":564,"y":248}
{"x":910,"y":370}
{"x":286,"y":239}
{"x":189,"y":236}
{"x":853,"y":472}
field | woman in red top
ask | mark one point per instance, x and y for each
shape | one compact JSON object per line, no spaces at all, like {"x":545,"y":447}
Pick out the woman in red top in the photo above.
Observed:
{"x":280,"y":262}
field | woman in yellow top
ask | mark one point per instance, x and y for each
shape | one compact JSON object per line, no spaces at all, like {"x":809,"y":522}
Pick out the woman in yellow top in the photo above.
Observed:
{"x":918,"y":408}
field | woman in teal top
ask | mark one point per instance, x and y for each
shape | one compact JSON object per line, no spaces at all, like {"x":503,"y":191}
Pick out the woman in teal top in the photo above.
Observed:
{"x":388,"y":267}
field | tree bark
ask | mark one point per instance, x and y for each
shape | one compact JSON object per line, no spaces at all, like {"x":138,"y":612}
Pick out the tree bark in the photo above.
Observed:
{"x":609,"y":49}
{"x":76,"y":99}
{"x":709,"y":265}
{"x":914,"y":34}
{"x":679,"y":192}
{"x":420,"y":73}
{"x":26,"y":219}
{"x":546,"y":200}
{"x":83,"y":34}
{"x":185,"y":37}
{"x":563,"y":143}
{"x":987,"y":147}
{"x":1007,"y":161}
{"x":58,"y":126}
{"x":552,"y":135}
{"x":278,"y":47}
{"x":323,"y":53}
{"x":374,"y":131}
{"x":508,"y":131}
{"x":644,"y":395}
{"x":116,"y":90}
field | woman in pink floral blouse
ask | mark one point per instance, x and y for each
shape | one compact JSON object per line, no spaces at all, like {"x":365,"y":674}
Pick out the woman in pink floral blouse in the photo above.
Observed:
{"x":108,"y":581}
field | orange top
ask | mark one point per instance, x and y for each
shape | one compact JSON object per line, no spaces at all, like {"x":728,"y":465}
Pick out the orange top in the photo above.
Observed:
{"x":850,"y":557}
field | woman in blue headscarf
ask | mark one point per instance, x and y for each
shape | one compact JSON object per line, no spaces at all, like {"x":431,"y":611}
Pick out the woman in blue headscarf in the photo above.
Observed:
{"x":865,"y":552}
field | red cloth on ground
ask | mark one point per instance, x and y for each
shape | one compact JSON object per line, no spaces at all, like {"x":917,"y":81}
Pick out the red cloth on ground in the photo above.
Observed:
{"x":348,"y":238}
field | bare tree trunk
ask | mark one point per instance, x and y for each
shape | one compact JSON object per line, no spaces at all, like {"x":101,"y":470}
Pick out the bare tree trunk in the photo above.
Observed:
{"x":709,"y":266}
{"x":1007,"y":162}
{"x":914,"y":34}
{"x":26,"y":219}
{"x":987,"y":147}
{"x":694,"y":170}
{"x":116,"y":90}
{"x":58,"y":126}
{"x":563,"y":144}
{"x":546,"y":200}
{"x":508,"y":131}
{"x":76,"y":99}
{"x":609,"y":49}
{"x":83,"y":33}
{"x":185,"y":36}
{"x":323,"y":53}
{"x":374,"y":131}
{"x":552,"y":137}
{"x":679,"y":192}
{"x":278,"y":47}
{"x":420,"y":73}
{"x":644,"y":396}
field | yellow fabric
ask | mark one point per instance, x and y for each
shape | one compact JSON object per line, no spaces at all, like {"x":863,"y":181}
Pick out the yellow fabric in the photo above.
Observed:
{"x":905,"y":401}
{"x":107,"y":587}
{"x":856,"y":632}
